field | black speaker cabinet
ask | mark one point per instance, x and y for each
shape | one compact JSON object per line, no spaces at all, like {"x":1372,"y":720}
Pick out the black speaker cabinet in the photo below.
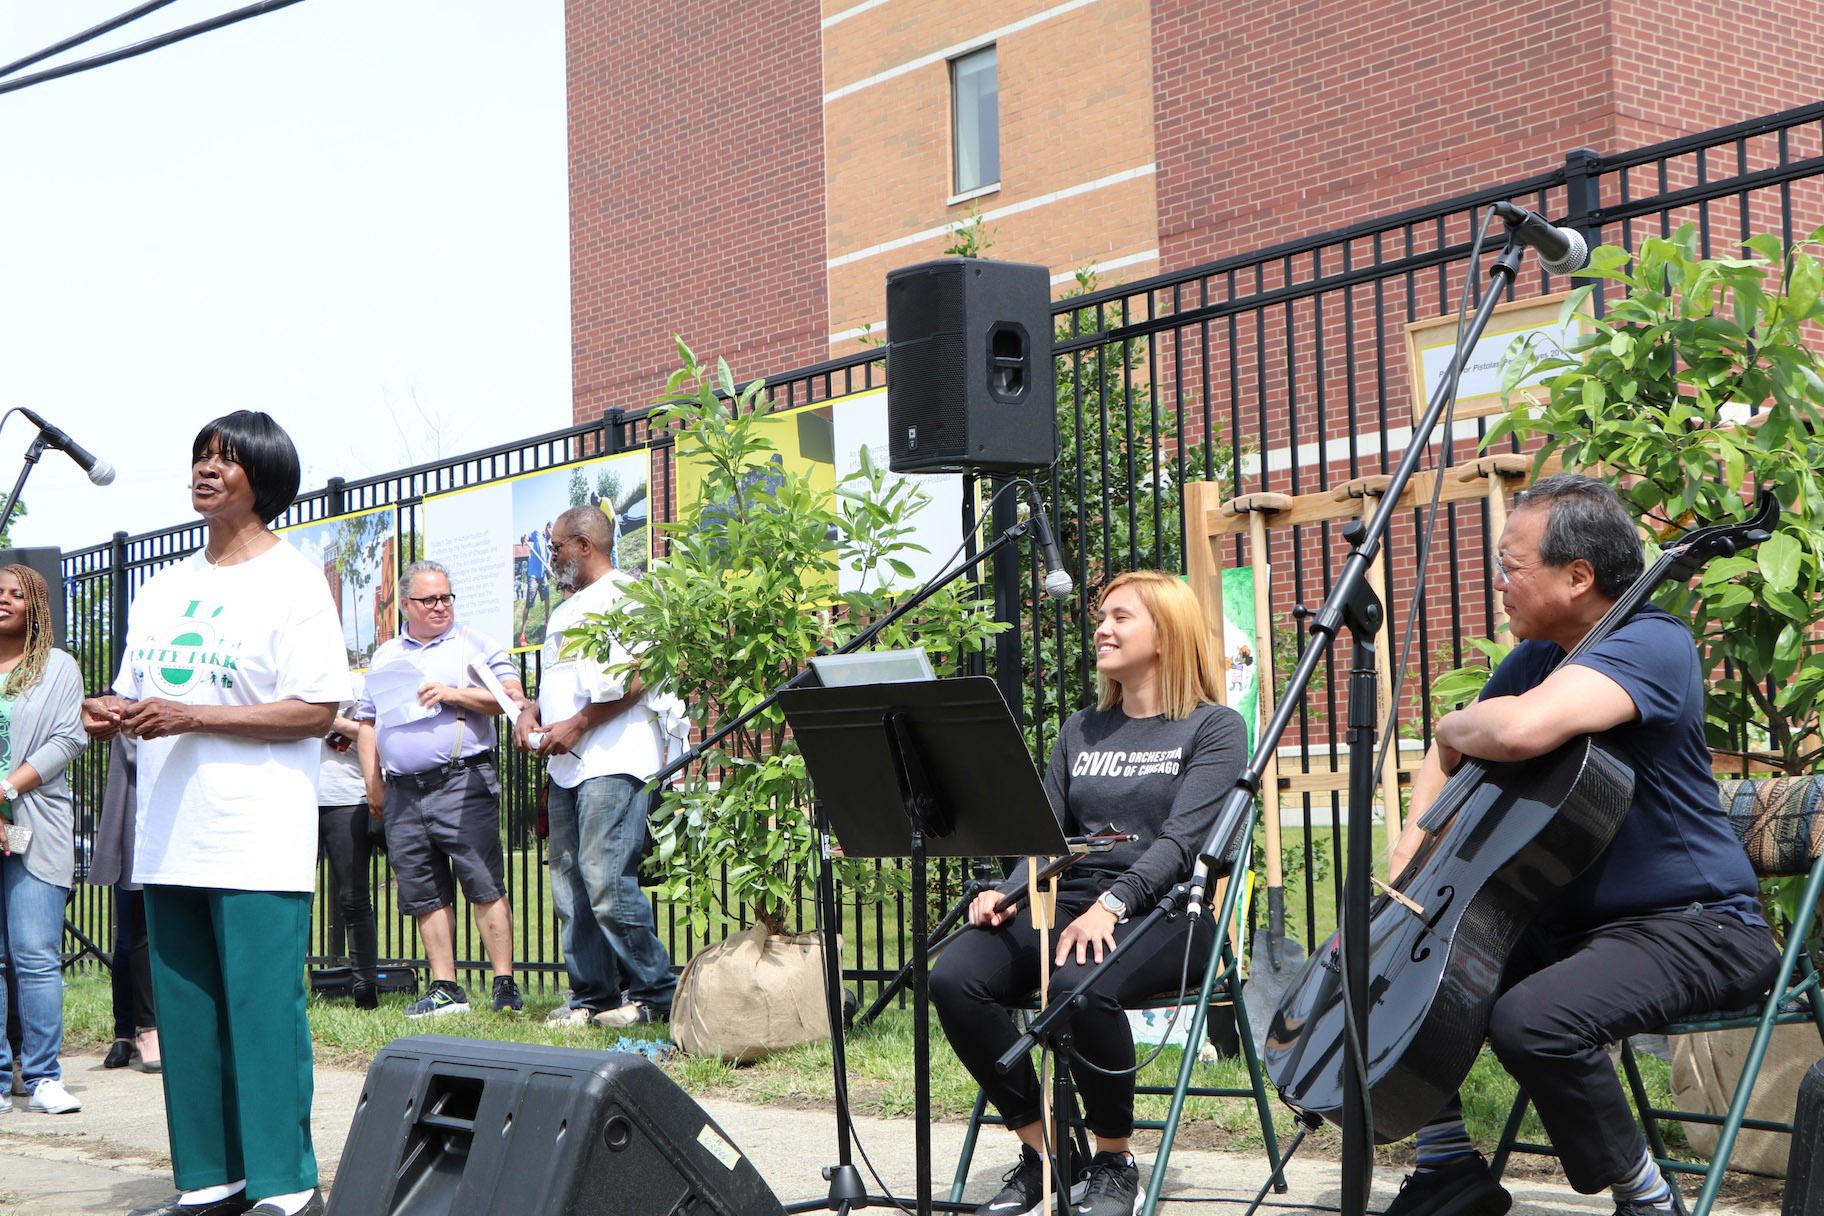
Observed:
{"x":47,"y":562}
{"x":970,"y":384}
{"x":468,"y":1127}
{"x":1805,"y":1160}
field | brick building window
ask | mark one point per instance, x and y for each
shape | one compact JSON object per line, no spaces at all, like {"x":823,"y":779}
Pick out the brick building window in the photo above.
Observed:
{"x":975,"y":109}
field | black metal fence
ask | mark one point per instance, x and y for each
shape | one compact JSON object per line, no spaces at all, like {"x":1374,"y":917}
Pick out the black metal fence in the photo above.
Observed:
{"x":1284,"y":369}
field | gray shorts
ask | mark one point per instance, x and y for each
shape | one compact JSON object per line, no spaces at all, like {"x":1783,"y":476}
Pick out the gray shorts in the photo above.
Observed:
{"x":443,"y":828}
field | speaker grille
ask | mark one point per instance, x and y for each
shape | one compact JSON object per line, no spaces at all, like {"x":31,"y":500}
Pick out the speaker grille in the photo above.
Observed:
{"x":928,"y":390}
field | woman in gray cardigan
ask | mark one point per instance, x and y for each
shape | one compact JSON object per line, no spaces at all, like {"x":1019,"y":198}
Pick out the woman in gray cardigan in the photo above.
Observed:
{"x":40,"y":717}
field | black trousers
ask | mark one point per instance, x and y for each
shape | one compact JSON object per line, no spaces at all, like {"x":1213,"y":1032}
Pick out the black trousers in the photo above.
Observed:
{"x":342,"y":835}
{"x":986,"y":970}
{"x":131,"y":968}
{"x":1568,"y":996}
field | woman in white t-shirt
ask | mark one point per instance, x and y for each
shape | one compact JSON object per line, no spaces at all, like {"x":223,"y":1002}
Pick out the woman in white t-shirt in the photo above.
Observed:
{"x":234,"y":666}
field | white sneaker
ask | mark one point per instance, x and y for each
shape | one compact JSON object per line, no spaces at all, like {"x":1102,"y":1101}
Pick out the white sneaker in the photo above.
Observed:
{"x":51,"y":1098}
{"x":569,"y":1015}
{"x":6,"y":1103}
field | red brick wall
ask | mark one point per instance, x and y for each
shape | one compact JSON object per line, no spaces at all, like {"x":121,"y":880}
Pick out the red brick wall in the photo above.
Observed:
{"x":1276,"y":119}
{"x":1700,"y":64}
{"x":696,"y":191}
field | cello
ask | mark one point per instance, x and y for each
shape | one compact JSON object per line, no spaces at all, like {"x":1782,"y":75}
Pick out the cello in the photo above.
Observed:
{"x":1502,"y":839}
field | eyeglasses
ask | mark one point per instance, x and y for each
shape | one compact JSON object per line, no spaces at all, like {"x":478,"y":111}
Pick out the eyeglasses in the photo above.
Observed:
{"x":433,"y":601}
{"x":1507,"y":569}
{"x":558,"y":545}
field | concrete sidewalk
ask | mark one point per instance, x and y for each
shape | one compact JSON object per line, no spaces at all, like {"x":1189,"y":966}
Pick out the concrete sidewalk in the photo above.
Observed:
{"x":112,"y":1154}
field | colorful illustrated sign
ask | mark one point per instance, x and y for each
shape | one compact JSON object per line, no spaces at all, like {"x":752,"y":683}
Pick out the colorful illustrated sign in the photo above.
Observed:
{"x":1241,"y":664}
{"x":495,"y":540}
{"x":359,"y":557}
{"x":823,"y":442}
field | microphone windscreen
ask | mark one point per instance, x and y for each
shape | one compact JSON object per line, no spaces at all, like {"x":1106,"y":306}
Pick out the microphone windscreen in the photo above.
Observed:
{"x":102,"y":474}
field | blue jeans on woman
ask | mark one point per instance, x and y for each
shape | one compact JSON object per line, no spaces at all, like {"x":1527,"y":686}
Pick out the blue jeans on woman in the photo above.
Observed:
{"x":31,"y":933}
{"x":598,"y":831}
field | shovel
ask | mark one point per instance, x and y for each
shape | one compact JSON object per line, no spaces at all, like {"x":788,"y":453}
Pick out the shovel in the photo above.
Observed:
{"x":1276,"y":960}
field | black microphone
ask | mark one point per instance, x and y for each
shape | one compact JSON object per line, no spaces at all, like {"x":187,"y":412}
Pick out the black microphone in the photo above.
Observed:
{"x":1057,"y":579}
{"x":100,"y":471}
{"x":1561,"y":250}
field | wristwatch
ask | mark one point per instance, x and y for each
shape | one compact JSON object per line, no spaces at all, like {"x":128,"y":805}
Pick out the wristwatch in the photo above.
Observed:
{"x":1111,"y":901}
{"x":9,"y":790}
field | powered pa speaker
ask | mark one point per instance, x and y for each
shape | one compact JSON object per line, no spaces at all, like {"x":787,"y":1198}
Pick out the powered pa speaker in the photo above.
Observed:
{"x":468,"y":1127}
{"x":970,"y":384}
{"x":1805,"y":1159}
{"x":48,"y":562}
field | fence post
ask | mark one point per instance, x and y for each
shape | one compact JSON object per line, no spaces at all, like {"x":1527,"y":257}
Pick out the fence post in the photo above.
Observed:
{"x":1583,"y":194}
{"x":338,"y":496}
{"x":117,"y":603}
{"x":614,"y":430}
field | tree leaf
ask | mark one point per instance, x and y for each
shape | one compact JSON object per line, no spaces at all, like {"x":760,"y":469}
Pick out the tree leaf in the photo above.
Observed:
{"x":1778,"y":557}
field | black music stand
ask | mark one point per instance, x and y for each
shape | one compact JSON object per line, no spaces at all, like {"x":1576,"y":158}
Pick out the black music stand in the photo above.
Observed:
{"x":925,"y":768}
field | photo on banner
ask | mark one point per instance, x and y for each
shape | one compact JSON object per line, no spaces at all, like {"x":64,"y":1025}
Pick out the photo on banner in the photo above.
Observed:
{"x":1241,"y":666}
{"x":495,"y":540}
{"x":359,"y":556}
{"x":824,"y":442}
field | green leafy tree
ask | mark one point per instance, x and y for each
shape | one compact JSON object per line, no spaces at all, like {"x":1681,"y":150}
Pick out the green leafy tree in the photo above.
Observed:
{"x":1117,"y":441}
{"x":1695,"y":386}
{"x":749,"y":590}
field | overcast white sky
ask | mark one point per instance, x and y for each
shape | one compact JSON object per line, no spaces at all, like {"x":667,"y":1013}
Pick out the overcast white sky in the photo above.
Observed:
{"x":349,"y":213}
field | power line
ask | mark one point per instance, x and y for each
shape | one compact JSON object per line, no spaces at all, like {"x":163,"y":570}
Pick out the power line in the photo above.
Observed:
{"x":97,"y":31}
{"x":137,"y":48}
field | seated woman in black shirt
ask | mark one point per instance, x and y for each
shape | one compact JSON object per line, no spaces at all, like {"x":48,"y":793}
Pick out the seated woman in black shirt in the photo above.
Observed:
{"x":1154,"y":757}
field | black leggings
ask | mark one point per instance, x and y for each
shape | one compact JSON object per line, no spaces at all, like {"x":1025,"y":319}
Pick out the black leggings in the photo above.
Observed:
{"x":131,"y":968}
{"x":342,"y":834}
{"x":986,"y":970}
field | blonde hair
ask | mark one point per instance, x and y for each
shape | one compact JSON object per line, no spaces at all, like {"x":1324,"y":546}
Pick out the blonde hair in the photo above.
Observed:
{"x":38,"y":640}
{"x":1189,"y":674}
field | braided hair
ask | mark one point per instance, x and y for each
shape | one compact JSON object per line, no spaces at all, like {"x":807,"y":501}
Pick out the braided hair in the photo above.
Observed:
{"x":38,"y":638}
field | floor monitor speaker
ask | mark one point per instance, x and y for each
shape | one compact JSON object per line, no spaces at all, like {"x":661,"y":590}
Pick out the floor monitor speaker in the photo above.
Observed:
{"x":1805,"y":1160}
{"x":469,"y":1127}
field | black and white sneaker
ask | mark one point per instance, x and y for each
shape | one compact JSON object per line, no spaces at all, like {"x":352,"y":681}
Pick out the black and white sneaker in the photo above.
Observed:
{"x":441,"y":998}
{"x":506,"y":996}
{"x":1112,"y":1187}
{"x":1020,"y":1193}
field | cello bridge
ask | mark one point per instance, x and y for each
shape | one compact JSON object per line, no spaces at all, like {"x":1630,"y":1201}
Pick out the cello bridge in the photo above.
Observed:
{"x":1400,"y":898}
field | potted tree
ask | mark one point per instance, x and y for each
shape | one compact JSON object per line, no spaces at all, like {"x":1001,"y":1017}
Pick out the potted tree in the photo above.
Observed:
{"x":748,"y":590}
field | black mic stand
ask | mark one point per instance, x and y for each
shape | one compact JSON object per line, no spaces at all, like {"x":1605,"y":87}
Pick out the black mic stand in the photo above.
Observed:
{"x":1351,"y":604}
{"x":847,"y":1190}
{"x":32,"y":452}
{"x":1354,"y":605}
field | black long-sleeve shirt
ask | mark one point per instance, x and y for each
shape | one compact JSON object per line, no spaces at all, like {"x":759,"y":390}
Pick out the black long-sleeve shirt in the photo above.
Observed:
{"x":1160,"y":779}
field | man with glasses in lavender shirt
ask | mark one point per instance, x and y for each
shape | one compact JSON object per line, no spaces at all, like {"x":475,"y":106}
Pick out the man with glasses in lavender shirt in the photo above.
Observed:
{"x":434,"y":771}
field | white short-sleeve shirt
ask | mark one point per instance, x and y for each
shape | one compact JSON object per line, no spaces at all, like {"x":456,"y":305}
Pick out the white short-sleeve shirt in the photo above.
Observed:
{"x":215,"y":810}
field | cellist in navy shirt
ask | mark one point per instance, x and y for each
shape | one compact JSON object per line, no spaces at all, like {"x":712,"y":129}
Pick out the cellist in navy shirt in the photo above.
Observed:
{"x":1665,"y":923}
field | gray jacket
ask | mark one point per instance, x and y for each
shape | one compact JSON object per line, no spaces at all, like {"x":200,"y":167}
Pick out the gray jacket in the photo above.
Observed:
{"x":47,"y":734}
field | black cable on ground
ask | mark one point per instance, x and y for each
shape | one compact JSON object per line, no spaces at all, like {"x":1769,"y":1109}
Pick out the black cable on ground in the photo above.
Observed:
{"x":141,"y":48}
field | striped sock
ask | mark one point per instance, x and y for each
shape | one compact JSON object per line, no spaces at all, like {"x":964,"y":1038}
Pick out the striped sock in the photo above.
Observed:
{"x":1444,"y":1139}
{"x":1645,"y":1185}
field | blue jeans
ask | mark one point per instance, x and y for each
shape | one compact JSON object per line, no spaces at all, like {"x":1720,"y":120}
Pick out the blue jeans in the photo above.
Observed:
{"x":597,"y":830}
{"x":31,"y":933}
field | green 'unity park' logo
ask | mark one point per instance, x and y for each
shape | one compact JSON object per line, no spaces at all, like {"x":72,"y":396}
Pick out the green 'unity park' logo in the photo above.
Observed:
{"x":194,"y":656}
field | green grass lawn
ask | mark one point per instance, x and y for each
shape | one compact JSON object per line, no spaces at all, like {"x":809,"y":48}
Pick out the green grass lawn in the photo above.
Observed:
{"x":879,"y":1060}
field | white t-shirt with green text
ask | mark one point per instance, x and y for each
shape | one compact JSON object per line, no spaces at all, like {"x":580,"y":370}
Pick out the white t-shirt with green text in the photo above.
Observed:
{"x":215,"y":810}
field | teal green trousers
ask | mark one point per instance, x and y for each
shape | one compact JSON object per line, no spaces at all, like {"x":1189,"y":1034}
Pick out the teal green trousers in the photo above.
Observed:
{"x":228,"y":978}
